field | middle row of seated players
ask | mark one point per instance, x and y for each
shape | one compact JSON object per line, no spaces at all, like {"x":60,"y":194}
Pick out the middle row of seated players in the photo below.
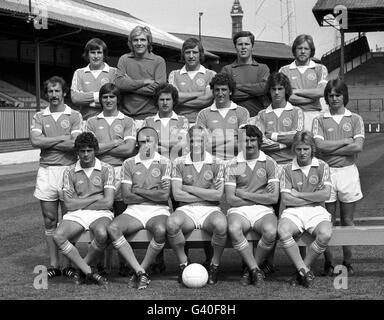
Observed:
{"x":197,"y":182}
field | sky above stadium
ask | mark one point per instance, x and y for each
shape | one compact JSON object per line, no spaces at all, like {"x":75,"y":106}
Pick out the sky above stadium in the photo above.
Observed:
{"x":262,"y":18}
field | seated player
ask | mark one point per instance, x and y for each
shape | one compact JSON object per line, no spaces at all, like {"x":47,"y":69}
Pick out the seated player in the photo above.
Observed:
{"x":116,"y":134}
{"x":198,"y":185}
{"x":88,"y":195}
{"x":305,"y":185}
{"x":251,"y":188}
{"x":145,"y":186}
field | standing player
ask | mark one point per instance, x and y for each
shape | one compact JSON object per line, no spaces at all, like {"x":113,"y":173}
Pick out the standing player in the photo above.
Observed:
{"x":145,"y":187}
{"x":171,"y":128}
{"x":279,"y":122}
{"x":198,"y":184}
{"x":138,"y":74}
{"x":250,"y":76}
{"x":307,"y":77}
{"x":339,"y":135}
{"x":116,"y":134}
{"x":223,"y":118}
{"x":305,"y":185}
{"x":54,"y":130}
{"x":87,"y":81}
{"x":192,"y":81}
{"x":88,"y":194}
{"x":251,"y":188}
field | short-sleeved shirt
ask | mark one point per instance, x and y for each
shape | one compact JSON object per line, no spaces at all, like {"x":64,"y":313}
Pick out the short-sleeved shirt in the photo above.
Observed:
{"x":138,"y":101}
{"x":287,"y":120}
{"x":326,"y":128}
{"x":76,"y":181}
{"x":121,"y":128}
{"x":254,"y":75}
{"x":172,"y":132}
{"x":227,"y":127}
{"x":211,"y":170}
{"x":136,"y":173}
{"x":307,"y":77}
{"x":296,"y":177}
{"x":84,"y":85}
{"x":183,"y":83}
{"x":251,"y":175}
{"x":68,"y":123}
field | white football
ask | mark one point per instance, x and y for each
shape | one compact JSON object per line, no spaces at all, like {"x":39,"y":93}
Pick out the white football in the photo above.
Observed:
{"x":195,"y":276}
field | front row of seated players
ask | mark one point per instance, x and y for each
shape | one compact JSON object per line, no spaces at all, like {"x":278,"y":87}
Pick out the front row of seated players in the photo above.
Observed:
{"x":251,"y":185}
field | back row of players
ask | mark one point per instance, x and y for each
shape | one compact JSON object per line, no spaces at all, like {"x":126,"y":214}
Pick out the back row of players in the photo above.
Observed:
{"x":140,"y":101}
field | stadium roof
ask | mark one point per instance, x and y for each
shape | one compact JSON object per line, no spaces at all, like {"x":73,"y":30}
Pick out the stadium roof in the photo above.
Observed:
{"x":363,"y":16}
{"x":90,"y":16}
{"x":220,"y":46}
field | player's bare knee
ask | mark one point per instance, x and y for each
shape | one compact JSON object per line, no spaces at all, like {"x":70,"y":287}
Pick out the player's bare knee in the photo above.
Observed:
{"x":101,"y":234}
{"x":283,"y":231}
{"x":269,"y":232}
{"x":172,"y":226}
{"x":50,"y":222}
{"x":347,"y":221}
{"x":159,"y":233}
{"x":59,"y":237}
{"x":114,"y":231}
{"x":220,"y":226}
{"x":324,"y":235}
{"x":235,"y":231}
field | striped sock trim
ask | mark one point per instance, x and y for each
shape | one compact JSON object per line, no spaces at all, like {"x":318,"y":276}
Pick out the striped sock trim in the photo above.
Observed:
{"x":263,"y":243}
{"x":155,"y":245}
{"x":66,"y":247}
{"x":97,"y":246}
{"x":241,"y":245}
{"x":318,"y":247}
{"x":117,"y":244}
{"x":49,"y":232}
{"x":219,"y":240}
{"x":288,"y":242}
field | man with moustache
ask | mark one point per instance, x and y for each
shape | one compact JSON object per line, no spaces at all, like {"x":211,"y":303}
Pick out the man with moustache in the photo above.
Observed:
{"x":54,"y":130}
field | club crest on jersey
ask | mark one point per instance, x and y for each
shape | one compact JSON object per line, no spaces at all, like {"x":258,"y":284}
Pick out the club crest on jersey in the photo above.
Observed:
{"x":208,"y":175}
{"x":347,"y":127}
{"x":47,"y":125}
{"x":96,"y":181}
{"x":331,"y":129}
{"x":287,"y":122}
{"x":79,"y":183}
{"x":311,"y":76}
{"x":313,"y":179}
{"x":232,"y":119}
{"x":104,"y":81}
{"x":156,"y":173}
{"x":118,"y":128}
{"x":299,"y":183}
{"x":200,"y":82}
{"x":101,"y":128}
{"x":173,"y":130}
{"x":188,"y":179}
{"x":261,"y":173}
{"x":64,"y":124}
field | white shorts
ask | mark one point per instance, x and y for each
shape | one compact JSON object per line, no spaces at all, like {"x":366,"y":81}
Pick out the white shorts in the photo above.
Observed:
{"x":308,"y":119}
{"x":86,"y":217}
{"x":145,"y":212}
{"x":252,"y":213}
{"x":306,"y":218}
{"x":345,"y":184}
{"x":49,"y":183}
{"x":198,"y":213}
{"x":118,"y":195}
